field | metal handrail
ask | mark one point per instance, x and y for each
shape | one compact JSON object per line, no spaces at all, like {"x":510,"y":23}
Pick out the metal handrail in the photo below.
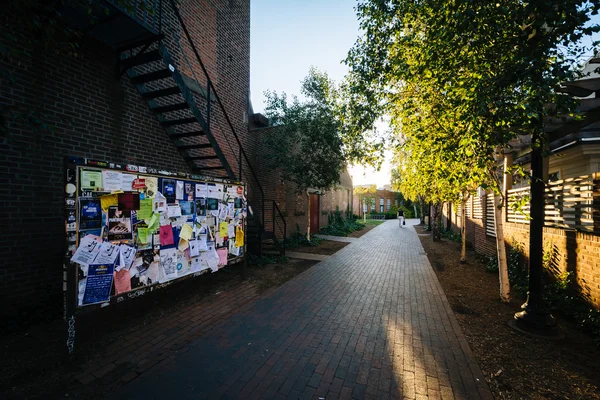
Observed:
{"x":210,"y":85}
{"x":276,"y":208}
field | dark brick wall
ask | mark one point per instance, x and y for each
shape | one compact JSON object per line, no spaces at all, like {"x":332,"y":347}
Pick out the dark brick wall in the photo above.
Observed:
{"x":94,"y":115}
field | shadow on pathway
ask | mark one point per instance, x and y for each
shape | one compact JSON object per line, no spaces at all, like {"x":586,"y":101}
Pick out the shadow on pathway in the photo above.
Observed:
{"x":370,"y":321}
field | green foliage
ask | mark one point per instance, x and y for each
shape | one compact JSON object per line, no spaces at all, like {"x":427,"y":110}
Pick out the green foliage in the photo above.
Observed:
{"x":452,"y":236}
{"x":460,"y":79}
{"x":559,"y":294}
{"x":338,"y":225}
{"x":299,"y":239}
{"x":310,"y":141}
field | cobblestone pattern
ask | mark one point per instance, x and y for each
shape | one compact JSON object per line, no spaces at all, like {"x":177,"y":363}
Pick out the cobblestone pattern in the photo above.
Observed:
{"x":369,"y":322}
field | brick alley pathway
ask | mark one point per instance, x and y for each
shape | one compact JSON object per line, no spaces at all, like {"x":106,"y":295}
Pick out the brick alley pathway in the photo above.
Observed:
{"x":370,"y":321}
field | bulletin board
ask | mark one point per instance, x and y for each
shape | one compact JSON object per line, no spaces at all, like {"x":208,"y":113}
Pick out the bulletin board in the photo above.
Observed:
{"x":132,"y":229}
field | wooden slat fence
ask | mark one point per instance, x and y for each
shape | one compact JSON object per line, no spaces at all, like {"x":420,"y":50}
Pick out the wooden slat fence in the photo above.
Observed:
{"x":478,"y":204}
{"x":572,"y":203}
{"x":490,"y":224}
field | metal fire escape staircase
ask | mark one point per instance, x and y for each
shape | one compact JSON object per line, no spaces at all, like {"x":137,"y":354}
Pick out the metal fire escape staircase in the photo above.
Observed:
{"x":185,"y":114}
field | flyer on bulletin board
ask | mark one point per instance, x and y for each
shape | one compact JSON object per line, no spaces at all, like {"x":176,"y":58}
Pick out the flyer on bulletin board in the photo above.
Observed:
{"x":132,"y":227}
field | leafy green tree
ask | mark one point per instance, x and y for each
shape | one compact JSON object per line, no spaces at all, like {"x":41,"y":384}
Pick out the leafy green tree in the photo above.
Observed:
{"x":305,"y":143}
{"x":472,"y":74}
{"x":365,"y":194}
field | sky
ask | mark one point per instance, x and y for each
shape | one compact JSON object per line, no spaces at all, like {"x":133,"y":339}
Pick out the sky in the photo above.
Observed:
{"x":288,"y":37}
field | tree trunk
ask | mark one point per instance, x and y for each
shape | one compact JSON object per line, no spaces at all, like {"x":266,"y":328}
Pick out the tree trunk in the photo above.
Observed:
{"x":502,"y":262}
{"x":422,"y":207}
{"x":436,"y":223}
{"x":463,"y":230}
{"x":308,"y":212}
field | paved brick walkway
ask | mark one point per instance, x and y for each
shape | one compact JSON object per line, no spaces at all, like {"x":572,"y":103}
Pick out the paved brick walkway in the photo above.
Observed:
{"x":370,"y":321}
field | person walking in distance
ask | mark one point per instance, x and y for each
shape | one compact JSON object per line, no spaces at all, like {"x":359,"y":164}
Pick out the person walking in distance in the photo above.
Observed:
{"x":400,"y":217}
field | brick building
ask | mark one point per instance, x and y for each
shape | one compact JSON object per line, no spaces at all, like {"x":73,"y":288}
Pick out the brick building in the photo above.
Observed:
{"x":381,"y":201}
{"x":166,"y":88}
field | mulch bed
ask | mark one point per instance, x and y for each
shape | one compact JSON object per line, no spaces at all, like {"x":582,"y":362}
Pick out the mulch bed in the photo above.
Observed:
{"x":516,"y":366}
{"x":326,"y":247}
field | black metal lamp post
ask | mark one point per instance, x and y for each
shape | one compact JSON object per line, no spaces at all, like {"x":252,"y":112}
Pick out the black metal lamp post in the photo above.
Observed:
{"x":535,"y":317}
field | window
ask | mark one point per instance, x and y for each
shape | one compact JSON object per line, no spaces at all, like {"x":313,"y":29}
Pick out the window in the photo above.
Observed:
{"x":381,"y":205}
{"x":373,"y":203}
{"x":396,"y":202}
{"x":389,"y":204}
{"x":554,"y":176}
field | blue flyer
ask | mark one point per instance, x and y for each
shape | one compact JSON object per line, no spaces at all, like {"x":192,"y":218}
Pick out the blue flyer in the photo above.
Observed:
{"x":90,"y":216}
{"x":98,"y":283}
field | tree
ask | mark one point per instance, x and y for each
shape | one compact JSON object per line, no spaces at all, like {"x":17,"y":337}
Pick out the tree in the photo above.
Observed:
{"x":364,"y":193}
{"x":484,"y":72}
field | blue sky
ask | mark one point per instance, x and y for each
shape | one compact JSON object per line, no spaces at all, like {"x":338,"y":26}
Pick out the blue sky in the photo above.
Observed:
{"x":287,"y":37}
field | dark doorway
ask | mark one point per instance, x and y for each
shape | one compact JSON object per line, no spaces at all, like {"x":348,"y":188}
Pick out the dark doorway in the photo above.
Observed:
{"x":314,"y":213}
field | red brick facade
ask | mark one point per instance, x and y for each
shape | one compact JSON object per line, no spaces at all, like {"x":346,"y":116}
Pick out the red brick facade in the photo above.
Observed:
{"x":92,"y":114}
{"x":390,"y":199}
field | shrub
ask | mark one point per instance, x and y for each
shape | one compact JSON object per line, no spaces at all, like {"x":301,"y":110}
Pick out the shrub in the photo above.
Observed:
{"x":299,"y":239}
{"x":451,"y":235}
{"x":340,"y":226}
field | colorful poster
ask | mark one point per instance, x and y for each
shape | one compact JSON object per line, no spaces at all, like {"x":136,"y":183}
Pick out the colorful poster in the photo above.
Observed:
{"x":145,"y":210}
{"x":168,"y":189}
{"x":237,"y":202}
{"x":128,"y":201}
{"x":179,"y":190}
{"x":126,"y":256}
{"x":111,"y":180}
{"x":122,"y":281}
{"x":186,"y":232}
{"x":214,"y":191}
{"x":98,"y":283}
{"x":166,"y":235}
{"x":168,"y":264}
{"x":189,"y":191}
{"x":223,"y":229}
{"x":119,"y":224}
{"x":201,"y":207}
{"x":87,"y":251}
{"x":159,"y":203}
{"x":90,"y":213}
{"x":239,"y":236}
{"x":201,"y":190}
{"x":108,"y":200}
{"x":212,"y":204}
{"x":91,"y":180}
{"x":107,"y":254}
{"x":222,"y":253}
{"x":183,"y":265}
{"x":187,"y":207}
{"x":127,"y":182}
{"x":151,"y":186}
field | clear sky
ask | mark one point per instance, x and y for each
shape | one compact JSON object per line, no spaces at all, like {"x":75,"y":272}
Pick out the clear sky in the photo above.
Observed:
{"x":288,"y":36}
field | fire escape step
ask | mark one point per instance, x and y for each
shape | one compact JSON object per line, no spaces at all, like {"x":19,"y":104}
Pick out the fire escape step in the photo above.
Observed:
{"x":140,"y":43}
{"x":210,"y":168}
{"x":151,"y":76}
{"x":181,"y":121}
{"x":194,"y":146}
{"x":200,"y":158}
{"x":140,"y":59}
{"x":170,"y":107}
{"x":161,"y":93}
{"x":182,"y":135}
